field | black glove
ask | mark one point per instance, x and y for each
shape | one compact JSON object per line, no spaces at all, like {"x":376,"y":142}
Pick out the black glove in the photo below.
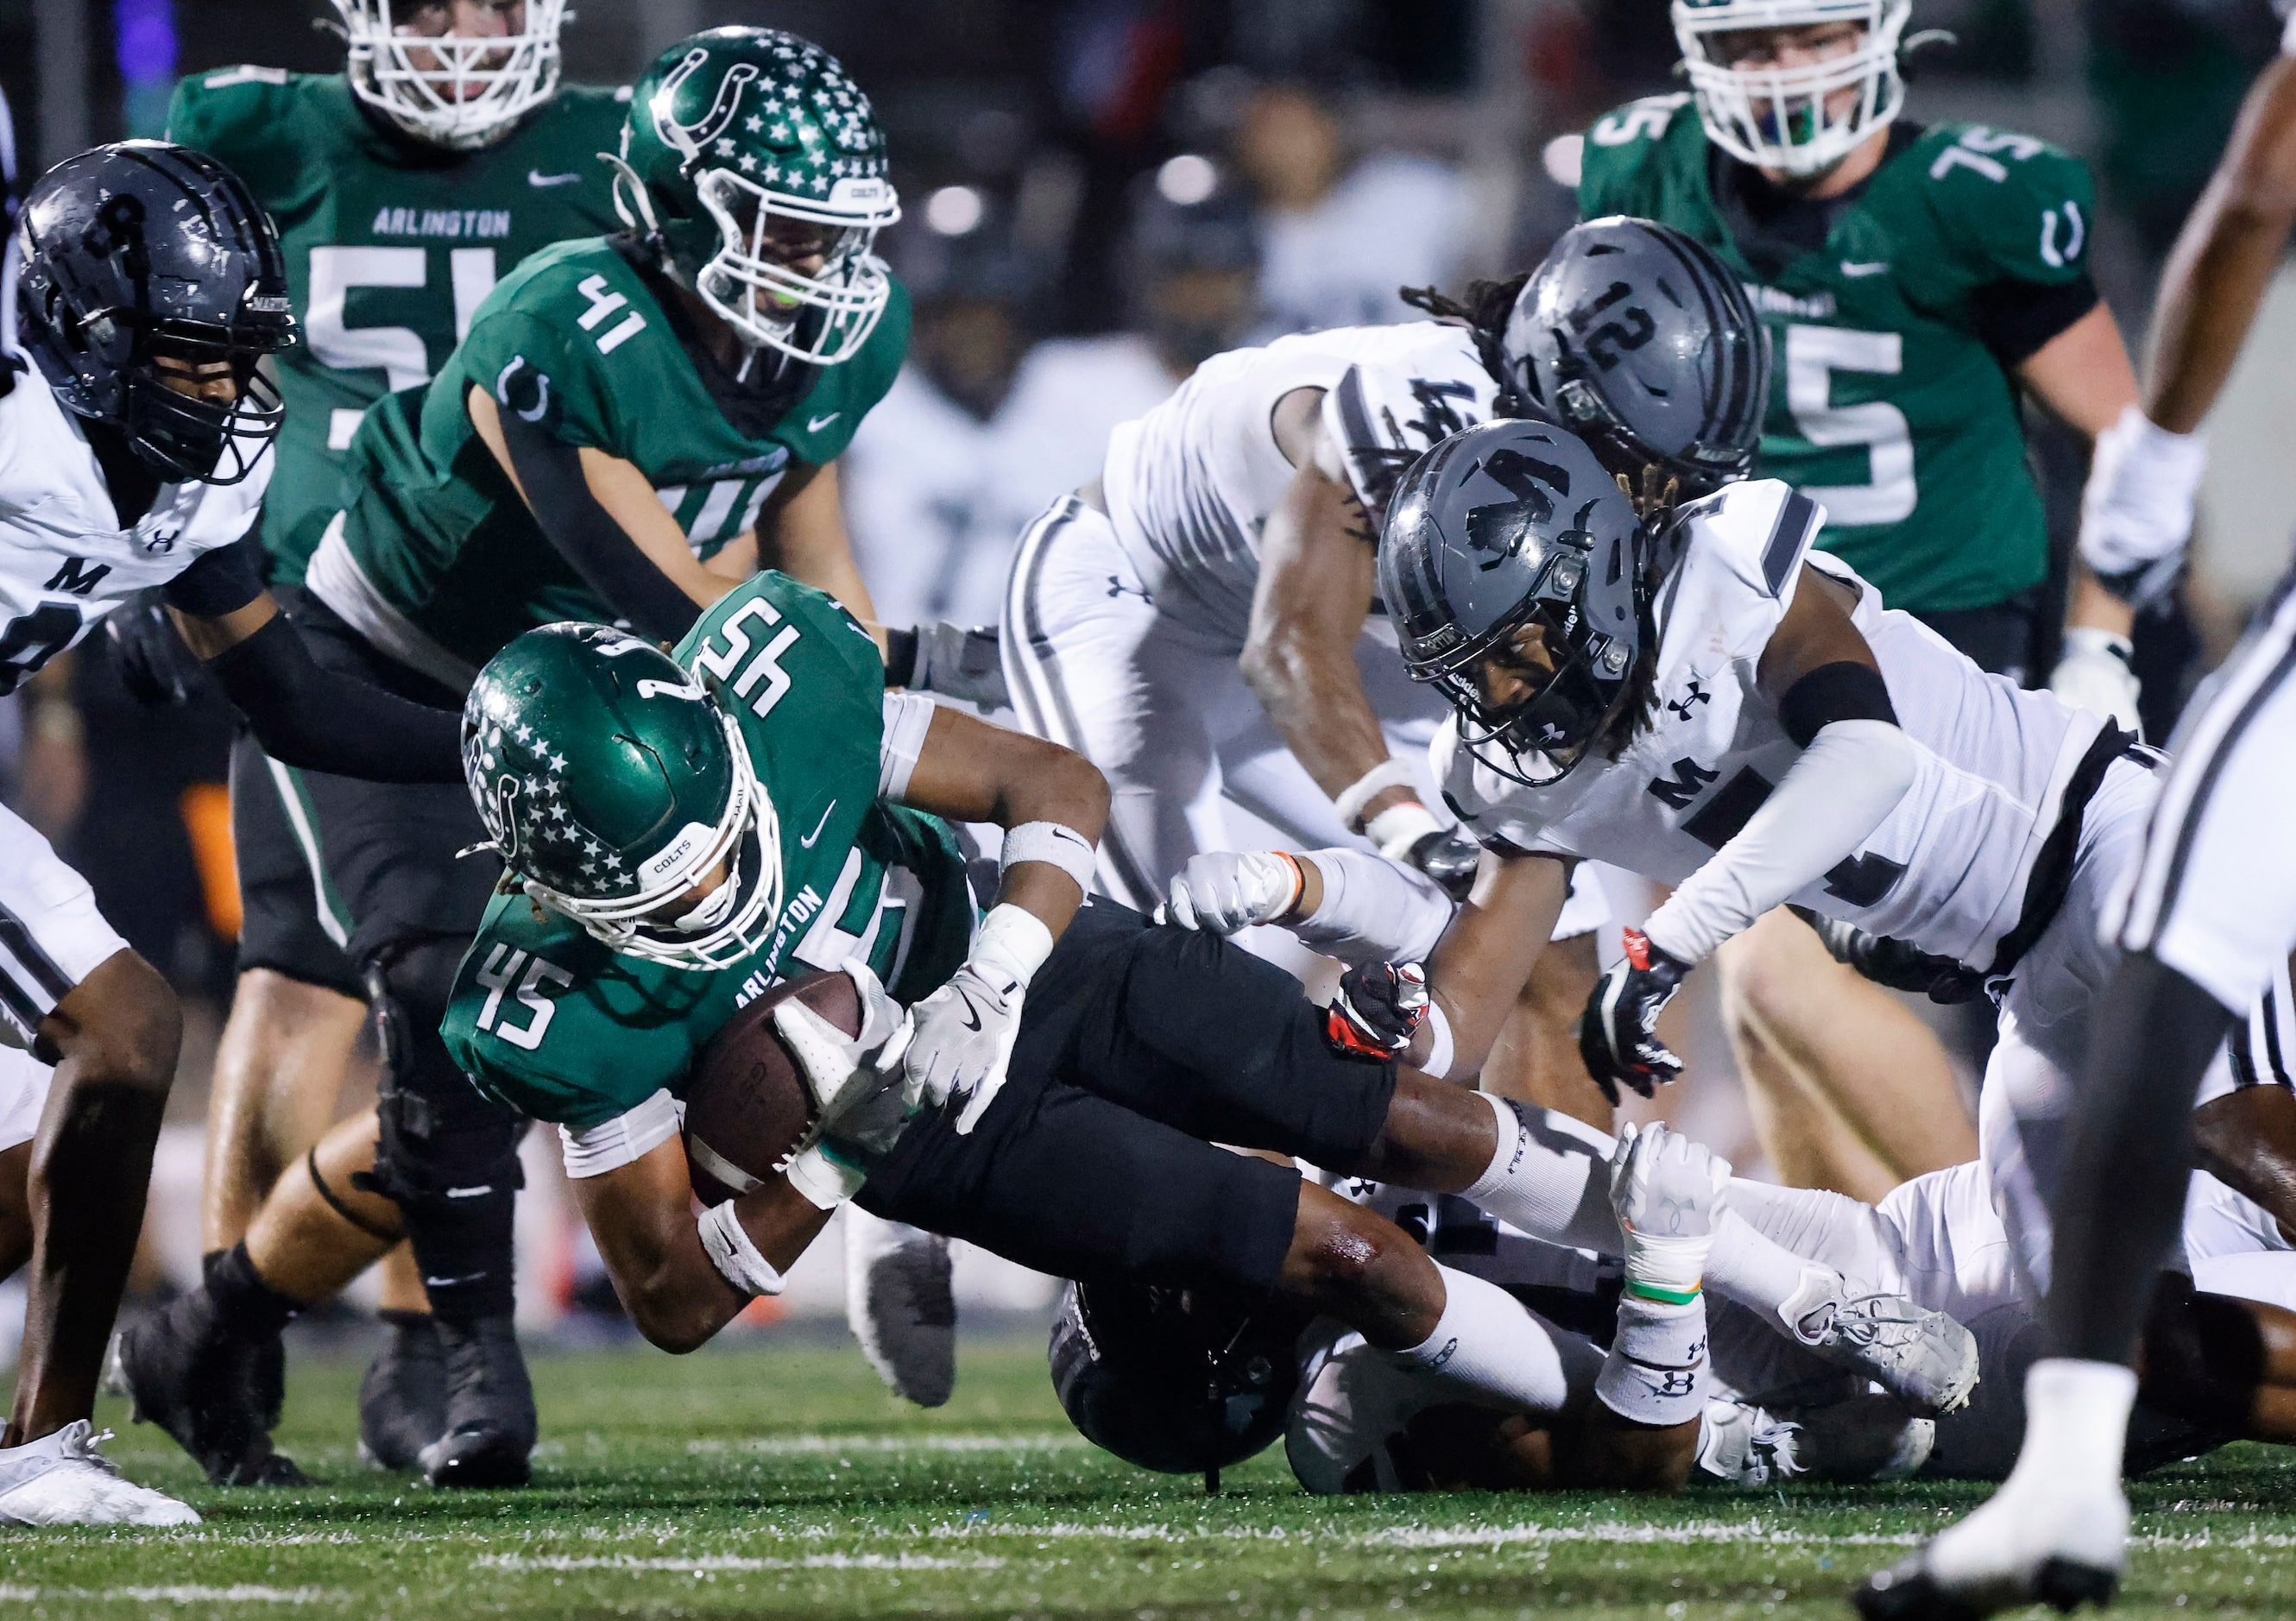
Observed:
{"x":1617,"y":1034}
{"x":154,"y":665}
{"x":1377,"y":1009}
{"x":1892,"y":963}
{"x":1449,"y":858}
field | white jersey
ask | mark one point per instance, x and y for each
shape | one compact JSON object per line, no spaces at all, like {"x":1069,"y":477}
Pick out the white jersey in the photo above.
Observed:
{"x":1189,"y":486}
{"x":1946,"y":870}
{"x":65,"y":561}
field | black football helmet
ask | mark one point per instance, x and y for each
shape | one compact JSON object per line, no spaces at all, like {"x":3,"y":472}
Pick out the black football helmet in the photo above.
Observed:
{"x":141,"y":250}
{"x":1645,"y":343}
{"x":1184,"y":1381}
{"x":1513,"y":523}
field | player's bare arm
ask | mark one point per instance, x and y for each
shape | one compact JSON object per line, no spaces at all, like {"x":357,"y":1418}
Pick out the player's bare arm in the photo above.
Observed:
{"x":802,"y":534}
{"x":1317,"y":576}
{"x":2084,"y":378}
{"x":2225,"y":257}
{"x":642,"y":1216}
{"x":1485,"y":956}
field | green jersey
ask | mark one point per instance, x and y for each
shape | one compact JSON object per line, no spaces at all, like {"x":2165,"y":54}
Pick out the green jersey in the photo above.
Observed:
{"x":565,"y":1030}
{"x":1890,"y":337}
{"x":441,"y":563}
{"x":390,"y":246}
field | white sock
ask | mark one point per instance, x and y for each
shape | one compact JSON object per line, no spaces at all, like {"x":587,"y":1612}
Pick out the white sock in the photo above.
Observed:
{"x":1754,"y":1271}
{"x":1498,"y":1353}
{"x":1551,"y":1177}
{"x":1656,"y":1370}
{"x":2076,"y":1425}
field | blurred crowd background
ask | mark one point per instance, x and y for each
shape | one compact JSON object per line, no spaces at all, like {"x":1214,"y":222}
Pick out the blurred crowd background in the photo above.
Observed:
{"x":1098,"y":194}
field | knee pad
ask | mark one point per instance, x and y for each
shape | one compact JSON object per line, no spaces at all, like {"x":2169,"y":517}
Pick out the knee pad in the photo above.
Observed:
{"x":440,"y":1135}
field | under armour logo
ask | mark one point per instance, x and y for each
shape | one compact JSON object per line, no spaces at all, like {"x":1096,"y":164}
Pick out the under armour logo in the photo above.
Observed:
{"x":1696,"y":695}
{"x":1117,"y":588}
{"x":1678,"y":1381}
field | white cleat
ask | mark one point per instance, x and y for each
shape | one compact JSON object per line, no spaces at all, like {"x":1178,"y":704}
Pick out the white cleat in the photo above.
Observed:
{"x":1865,"y":1438}
{"x":1740,"y":1444}
{"x":1923,"y":1358}
{"x":901,"y":1305}
{"x":1346,"y":1427}
{"x":2034,"y":1542}
{"x":62,"y":1480}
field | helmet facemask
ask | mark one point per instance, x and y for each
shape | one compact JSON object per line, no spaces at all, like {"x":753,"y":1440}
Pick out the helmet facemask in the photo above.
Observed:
{"x":729,"y":924}
{"x":1539,"y":739}
{"x":1779,"y":118}
{"x":193,"y":438}
{"x":822,"y":317}
{"x":453,"y":91}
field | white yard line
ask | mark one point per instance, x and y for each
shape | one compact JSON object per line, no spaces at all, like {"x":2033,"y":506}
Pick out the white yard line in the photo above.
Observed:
{"x":776,"y":1445}
{"x":238,"y":1593}
{"x":708,"y":1563}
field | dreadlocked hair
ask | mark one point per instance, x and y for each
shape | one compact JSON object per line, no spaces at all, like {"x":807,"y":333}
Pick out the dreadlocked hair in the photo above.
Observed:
{"x":1483,"y":312}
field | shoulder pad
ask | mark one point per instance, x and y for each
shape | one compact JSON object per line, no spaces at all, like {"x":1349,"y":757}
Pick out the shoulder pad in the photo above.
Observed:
{"x":1382,"y":421}
{"x":1760,"y":529}
{"x":2021,"y":207}
{"x":215,"y":112}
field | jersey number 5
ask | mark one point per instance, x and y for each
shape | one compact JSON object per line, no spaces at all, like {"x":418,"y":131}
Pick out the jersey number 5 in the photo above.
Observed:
{"x":1813,"y":353}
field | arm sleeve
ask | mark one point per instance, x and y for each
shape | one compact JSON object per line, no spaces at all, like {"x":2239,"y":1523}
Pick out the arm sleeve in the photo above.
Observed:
{"x":219,"y":582}
{"x":1374,"y":909}
{"x":1844,"y":786}
{"x":908,"y":716}
{"x":585,"y":535}
{"x":305,"y":714}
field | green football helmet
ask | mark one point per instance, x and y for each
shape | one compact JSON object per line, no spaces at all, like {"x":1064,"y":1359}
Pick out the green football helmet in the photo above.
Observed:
{"x":613,"y":783}
{"x":749,"y":155}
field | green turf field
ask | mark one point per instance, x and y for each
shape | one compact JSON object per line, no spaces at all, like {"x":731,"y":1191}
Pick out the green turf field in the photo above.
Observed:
{"x":786,"y":1482}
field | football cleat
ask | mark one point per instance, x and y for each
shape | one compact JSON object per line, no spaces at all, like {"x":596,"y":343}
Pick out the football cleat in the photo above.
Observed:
{"x":403,"y":1398}
{"x":901,"y":1305}
{"x":2033,"y":1542}
{"x":187,"y":1370}
{"x":62,"y":1480}
{"x":1923,"y":1358}
{"x":1740,"y":1443}
{"x":490,"y":1425}
{"x":1868,"y":1437}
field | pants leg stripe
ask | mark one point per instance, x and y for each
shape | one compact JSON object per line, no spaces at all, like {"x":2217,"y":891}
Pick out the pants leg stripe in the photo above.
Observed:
{"x":299,"y":817}
{"x":21,"y":945}
{"x":2185,"y":800}
{"x":21,"y":1008}
{"x":1055,"y":717}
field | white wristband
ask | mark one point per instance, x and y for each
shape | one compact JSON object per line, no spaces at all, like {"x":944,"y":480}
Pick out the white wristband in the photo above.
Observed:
{"x":1054,"y":843}
{"x":1399,"y":827}
{"x":1439,"y":1054}
{"x":1013,"y":942}
{"x":738,"y":1261}
{"x":824,"y":1180}
{"x":1350,"y":801}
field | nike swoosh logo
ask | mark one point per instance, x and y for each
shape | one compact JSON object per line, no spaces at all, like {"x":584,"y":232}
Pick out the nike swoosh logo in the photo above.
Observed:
{"x":807,"y":842}
{"x":971,"y":1014}
{"x":535,"y":177}
{"x":815,"y":424}
{"x":1858,"y":268}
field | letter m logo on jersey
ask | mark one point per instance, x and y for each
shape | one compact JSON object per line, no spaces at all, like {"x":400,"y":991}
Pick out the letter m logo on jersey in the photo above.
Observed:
{"x":76,"y":578}
{"x":1687,"y":782}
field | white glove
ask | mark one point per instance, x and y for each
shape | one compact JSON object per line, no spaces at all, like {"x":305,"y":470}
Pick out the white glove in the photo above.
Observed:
{"x":859,"y":1108}
{"x":961,"y":662}
{"x":1222,"y":891}
{"x":2092,"y":673}
{"x":1668,"y":1193}
{"x":964,"y":1039}
{"x":2136,"y":510}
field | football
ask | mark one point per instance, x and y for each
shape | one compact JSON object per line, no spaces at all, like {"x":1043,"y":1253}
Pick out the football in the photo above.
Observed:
{"x":747,"y":1105}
